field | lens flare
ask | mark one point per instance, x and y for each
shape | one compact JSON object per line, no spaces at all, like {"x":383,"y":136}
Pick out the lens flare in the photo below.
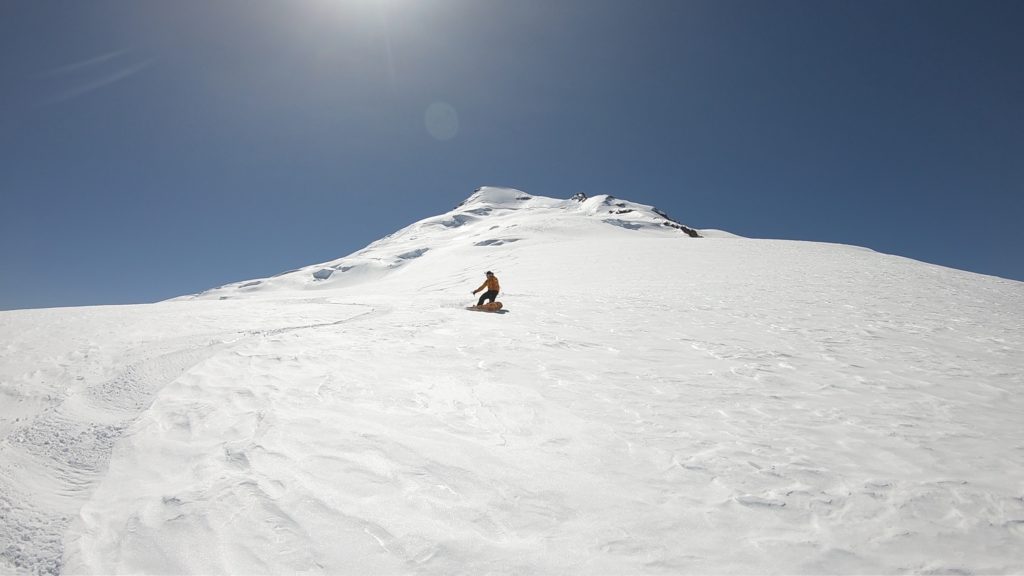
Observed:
{"x":442,"y":121}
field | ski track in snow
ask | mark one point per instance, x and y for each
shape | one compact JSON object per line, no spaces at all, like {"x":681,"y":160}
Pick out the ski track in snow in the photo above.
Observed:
{"x":55,"y":448}
{"x":695,"y":406}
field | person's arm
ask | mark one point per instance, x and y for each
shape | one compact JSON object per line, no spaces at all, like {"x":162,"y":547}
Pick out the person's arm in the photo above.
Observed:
{"x":482,"y":286}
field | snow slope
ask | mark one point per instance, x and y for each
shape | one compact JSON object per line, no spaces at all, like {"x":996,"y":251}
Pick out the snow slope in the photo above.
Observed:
{"x":652,"y":403}
{"x":490,"y":218}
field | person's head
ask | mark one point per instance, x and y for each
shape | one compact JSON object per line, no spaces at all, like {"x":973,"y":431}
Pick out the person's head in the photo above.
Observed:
{"x":489,"y":273}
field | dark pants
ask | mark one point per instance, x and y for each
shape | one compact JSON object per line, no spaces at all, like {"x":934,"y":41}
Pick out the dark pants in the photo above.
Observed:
{"x":489,"y":295}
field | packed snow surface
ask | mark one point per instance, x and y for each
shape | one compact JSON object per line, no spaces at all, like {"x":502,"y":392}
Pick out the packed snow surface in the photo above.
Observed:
{"x":651,"y":403}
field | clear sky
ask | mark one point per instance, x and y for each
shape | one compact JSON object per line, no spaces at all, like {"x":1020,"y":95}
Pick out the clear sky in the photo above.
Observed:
{"x":150,"y":149}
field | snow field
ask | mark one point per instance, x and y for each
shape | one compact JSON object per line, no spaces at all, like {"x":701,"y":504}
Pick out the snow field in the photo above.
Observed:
{"x":72,"y":380}
{"x":712,"y":406}
{"x":650,"y":404}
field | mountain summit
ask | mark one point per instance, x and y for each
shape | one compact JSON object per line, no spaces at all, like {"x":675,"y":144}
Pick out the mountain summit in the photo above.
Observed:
{"x":490,"y":218}
{"x":653,"y":403}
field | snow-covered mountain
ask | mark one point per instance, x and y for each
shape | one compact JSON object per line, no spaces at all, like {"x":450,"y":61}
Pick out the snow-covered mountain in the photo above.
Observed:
{"x":660,"y":399}
{"x":489,"y":218}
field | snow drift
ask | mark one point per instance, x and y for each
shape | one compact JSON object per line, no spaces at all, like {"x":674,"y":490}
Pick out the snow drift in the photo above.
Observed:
{"x":660,"y":399}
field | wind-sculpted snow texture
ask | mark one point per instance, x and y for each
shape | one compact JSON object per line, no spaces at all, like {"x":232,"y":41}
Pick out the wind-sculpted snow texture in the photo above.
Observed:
{"x":653,"y":403}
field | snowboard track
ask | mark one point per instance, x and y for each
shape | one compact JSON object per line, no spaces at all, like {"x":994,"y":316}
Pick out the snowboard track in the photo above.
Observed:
{"x":64,"y":451}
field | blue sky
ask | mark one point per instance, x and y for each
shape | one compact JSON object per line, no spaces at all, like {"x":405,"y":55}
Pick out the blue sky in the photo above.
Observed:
{"x":152,"y":149}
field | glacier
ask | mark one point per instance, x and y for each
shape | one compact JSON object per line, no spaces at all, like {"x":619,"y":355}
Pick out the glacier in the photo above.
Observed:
{"x":659,"y":399}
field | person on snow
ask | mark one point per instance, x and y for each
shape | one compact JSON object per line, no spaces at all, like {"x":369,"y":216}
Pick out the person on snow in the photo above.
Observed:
{"x":492,"y":286}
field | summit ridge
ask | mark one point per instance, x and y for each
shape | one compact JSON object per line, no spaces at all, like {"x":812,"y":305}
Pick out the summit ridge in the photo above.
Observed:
{"x":490,"y":217}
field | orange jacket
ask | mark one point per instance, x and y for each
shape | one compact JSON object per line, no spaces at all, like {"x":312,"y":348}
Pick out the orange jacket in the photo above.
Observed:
{"x":491,"y":284}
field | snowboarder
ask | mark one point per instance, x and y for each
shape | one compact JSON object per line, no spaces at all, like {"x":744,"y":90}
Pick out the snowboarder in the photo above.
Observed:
{"x":492,"y":286}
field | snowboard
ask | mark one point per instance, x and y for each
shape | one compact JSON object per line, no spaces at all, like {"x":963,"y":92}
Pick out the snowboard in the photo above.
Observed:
{"x":489,"y":307}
